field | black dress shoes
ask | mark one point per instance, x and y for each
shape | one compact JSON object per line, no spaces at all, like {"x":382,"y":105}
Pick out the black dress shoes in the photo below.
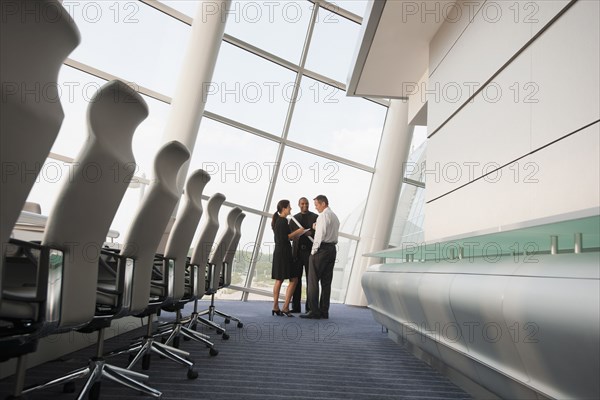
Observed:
{"x":296,"y":311}
{"x":310,"y":315}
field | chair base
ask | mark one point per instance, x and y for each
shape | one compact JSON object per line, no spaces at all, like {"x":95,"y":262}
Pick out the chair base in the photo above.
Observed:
{"x":96,"y":371}
{"x":144,"y":347}
{"x":176,"y":330}
{"x":195,"y":318}
{"x":211,"y":311}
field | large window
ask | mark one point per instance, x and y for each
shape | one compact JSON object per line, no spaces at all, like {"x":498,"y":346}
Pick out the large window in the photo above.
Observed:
{"x":130,"y":40}
{"x":240,"y":164}
{"x":255,"y":22}
{"x":257,"y":140}
{"x":250,"y":90}
{"x":326,"y":119}
{"x":332,"y":47}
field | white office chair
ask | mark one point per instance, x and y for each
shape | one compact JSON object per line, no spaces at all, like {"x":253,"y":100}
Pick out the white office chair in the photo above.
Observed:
{"x":140,"y":244}
{"x":217,"y":266}
{"x":178,"y":245}
{"x":230,"y":254}
{"x":228,"y":266}
{"x":200,"y":257}
{"x":30,"y":121}
{"x":78,"y":226}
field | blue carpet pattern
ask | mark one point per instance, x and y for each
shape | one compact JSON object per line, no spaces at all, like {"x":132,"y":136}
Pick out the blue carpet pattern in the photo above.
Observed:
{"x":345,"y":357}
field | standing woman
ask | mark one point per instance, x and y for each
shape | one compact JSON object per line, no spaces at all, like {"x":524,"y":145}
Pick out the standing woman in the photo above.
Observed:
{"x":283,"y":264}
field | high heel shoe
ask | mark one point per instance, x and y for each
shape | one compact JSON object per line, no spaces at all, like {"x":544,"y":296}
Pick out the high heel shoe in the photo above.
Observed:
{"x":276,"y":312}
{"x":287,"y":313}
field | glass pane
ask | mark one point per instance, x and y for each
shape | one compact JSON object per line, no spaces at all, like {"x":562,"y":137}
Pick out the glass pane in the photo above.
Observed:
{"x":126,"y":211}
{"x":332,"y":46}
{"x":306,"y":175}
{"x":346,"y":250}
{"x":278,"y":27}
{"x":250,"y":90}
{"x":357,"y":7}
{"x":77,"y":89}
{"x":52,"y":176}
{"x":240,"y":164}
{"x":130,"y":40}
{"x":324,"y":118}
{"x":188,"y":7}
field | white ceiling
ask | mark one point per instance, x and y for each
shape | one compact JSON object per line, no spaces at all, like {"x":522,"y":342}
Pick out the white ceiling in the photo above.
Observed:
{"x":393,"y":50}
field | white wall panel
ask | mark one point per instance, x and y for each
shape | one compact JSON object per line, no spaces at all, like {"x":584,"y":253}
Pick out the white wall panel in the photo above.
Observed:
{"x":566,"y":69}
{"x":559,"y":179}
{"x":489,"y":132}
{"x":497,"y":33}
{"x":458,"y":18}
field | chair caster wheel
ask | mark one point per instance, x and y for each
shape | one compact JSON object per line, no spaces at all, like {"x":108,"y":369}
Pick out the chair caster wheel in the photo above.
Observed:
{"x":176,"y":342}
{"x":240,"y":325}
{"x":225,"y":336}
{"x":69,"y":387}
{"x":191,"y":374}
{"x":220,"y":331}
{"x":146,"y":362}
{"x":213,"y":352}
{"x":227,"y":320}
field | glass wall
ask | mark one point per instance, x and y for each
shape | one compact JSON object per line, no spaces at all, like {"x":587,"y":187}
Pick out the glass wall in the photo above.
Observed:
{"x":277,"y":123}
{"x":410,"y":210}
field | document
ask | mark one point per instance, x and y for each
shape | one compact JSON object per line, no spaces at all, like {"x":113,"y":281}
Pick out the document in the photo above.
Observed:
{"x":300,"y":225}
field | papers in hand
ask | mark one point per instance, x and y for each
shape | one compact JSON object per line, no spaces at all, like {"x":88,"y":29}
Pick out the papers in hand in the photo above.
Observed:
{"x":300,"y":225}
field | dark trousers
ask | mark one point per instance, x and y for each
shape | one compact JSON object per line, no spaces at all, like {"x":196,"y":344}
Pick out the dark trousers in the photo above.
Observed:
{"x":321,"y":270}
{"x":303,"y":259}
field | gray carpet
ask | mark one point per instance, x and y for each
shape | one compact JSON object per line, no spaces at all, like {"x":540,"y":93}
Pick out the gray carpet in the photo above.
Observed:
{"x":345,"y":357}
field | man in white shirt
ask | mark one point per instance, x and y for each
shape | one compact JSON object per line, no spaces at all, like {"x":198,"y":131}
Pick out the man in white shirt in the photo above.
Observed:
{"x":322,"y":260}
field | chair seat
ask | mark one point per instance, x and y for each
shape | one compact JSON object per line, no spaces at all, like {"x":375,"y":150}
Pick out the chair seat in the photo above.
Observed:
{"x":106,"y":298}
{"x":15,"y":305}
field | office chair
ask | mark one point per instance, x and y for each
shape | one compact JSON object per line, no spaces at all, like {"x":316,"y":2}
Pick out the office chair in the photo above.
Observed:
{"x":140,"y":244}
{"x":200,"y":258}
{"x":173,"y":285}
{"x":78,"y":226}
{"x":30,"y":121}
{"x":230,"y":254}
{"x":228,"y":265}
{"x":216,"y":267}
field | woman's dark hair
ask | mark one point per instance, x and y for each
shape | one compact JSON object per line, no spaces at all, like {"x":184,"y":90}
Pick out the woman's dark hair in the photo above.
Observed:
{"x":280,"y":206}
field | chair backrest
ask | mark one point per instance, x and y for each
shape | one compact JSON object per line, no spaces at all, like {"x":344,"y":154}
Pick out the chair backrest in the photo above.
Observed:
{"x":231,"y":249}
{"x":203,"y":246}
{"x":89,"y":200}
{"x":223,"y":242}
{"x":142,"y":239}
{"x":182,"y":234}
{"x":31,"y":112}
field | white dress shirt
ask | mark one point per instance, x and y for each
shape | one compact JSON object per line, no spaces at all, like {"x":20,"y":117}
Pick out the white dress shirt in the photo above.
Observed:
{"x":326,"y":230}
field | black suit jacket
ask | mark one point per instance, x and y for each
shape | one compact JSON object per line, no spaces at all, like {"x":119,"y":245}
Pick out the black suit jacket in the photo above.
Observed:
{"x":306,"y":220}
